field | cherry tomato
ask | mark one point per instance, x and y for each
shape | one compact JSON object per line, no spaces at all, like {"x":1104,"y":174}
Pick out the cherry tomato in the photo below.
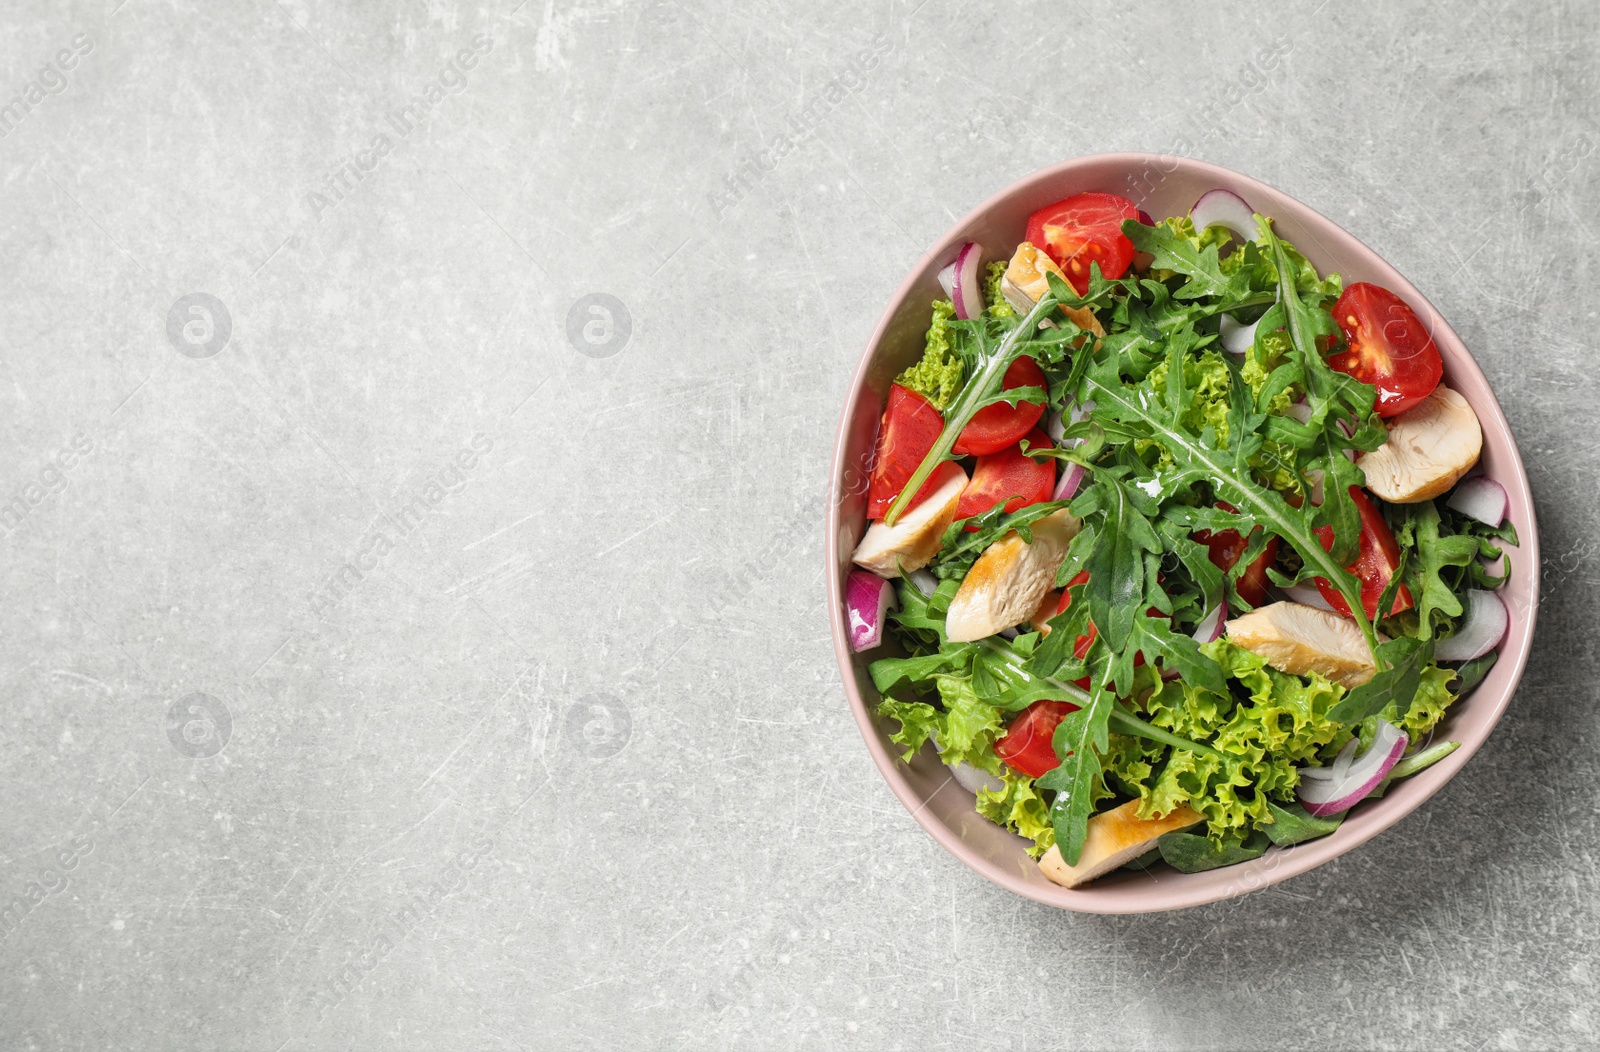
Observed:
{"x":1376,"y":560}
{"x":910,"y":427}
{"x":1227,"y":546}
{"x":994,"y":427}
{"x":1387,"y":346}
{"x":1009,"y":476}
{"x":1085,"y":229}
{"x":1027,"y":744}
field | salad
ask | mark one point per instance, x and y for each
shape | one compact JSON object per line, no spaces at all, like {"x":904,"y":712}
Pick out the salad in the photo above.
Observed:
{"x":1174,"y":542}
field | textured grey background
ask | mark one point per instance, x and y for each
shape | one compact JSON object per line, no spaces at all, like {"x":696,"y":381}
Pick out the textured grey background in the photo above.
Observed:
{"x":560,"y":758}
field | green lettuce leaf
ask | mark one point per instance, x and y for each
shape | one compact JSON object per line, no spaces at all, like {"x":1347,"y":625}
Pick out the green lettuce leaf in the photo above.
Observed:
{"x":937,"y":377}
{"x":998,"y":307}
{"x":1019,"y":807}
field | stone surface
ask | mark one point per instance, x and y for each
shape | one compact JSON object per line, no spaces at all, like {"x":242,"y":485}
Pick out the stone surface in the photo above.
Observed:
{"x":486,"y":540}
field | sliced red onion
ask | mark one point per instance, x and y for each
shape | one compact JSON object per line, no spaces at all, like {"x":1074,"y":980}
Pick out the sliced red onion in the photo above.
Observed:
{"x":1308,"y":595}
{"x":1481,"y":631}
{"x":1330,"y":790}
{"x":1483,"y":499}
{"x":1071,"y":479}
{"x":1300,"y":411}
{"x":1237,"y":338}
{"x":961,"y":282}
{"x":867,"y":597}
{"x":926,"y":583}
{"x":1054,"y":426}
{"x":1210,"y":627}
{"x":1314,"y":476}
{"x":1345,"y":757}
{"x":1224,"y":208}
{"x":1144,"y":218}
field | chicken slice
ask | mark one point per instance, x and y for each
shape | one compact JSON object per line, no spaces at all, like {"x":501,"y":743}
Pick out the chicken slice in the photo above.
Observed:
{"x":1297,"y":638}
{"x":1115,"y":838}
{"x":1430,"y":446}
{"x":1045,"y":611}
{"x":911,"y":543}
{"x":1024,"y":282}
{"x":1006,"y":583}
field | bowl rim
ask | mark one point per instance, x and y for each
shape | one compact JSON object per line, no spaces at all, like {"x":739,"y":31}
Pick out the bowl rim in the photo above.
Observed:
{"x":1177,"y":893}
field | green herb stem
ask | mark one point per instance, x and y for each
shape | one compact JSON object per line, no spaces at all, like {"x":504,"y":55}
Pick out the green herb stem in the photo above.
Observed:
{"x":1421,"y":760}
{"x":985,"y":382}
{"x":1123,"y":721}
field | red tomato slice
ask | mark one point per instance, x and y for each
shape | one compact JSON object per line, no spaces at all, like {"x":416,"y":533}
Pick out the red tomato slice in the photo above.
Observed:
{"x":910,"y":427}
{"x":1027,"y":744}
{"x":1376,"y":560}
{"x":1085,"y":229}
{"x":1009,"y":476}
{"x":1225,"y":549}
{"x":1387,"y":347}
{"x":994,"y":427}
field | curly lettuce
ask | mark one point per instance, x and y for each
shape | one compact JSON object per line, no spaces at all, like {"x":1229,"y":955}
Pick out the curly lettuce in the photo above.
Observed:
{"x":998,"y":307}
{"x":1019,"y":807}
{"x":937,"y":377}
{"x":1264,"y":729}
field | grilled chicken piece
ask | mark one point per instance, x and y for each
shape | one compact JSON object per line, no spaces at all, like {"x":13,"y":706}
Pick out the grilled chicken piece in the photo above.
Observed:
{"x":1297,"y":638}
{"x":911,"y":543}
{"x":1024,"y":282}
{"x":1006,"y":583}
{"x":1115,"y":838}
{"x":1045,"y":611}
{"x":1430,"y":446}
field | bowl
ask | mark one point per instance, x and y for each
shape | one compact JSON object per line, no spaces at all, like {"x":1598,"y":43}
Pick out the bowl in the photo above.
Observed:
{"x":1163,"y":185}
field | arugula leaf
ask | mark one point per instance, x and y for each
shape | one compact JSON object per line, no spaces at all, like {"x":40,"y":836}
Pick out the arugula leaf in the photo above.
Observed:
{"x":1437,"y":602}
{"x":1193,"y":853}
{"x":982,"y":383}
{"x":889,"y":673}
{"x":1116,"y":568}
{"x":1198,"y":263}
{"x":1179,"y":651}
{"x":1293,"y":824}
{"x":1401,"y":661}
{"x":1471,"y":674}
{"x":1305,"y":323}
{"x":1080,"y":740}
{"x":1229,"y":473}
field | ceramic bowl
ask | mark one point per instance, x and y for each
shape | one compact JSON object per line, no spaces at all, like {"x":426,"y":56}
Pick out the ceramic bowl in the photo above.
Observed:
{"x":1163,"y":186}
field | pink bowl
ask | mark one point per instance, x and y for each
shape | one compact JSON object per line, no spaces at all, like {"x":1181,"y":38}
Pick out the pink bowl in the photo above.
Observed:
{"x":1162,"y":185}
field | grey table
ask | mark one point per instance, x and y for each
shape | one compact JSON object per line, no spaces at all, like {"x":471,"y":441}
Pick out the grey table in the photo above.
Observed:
{"x":415,"y":421}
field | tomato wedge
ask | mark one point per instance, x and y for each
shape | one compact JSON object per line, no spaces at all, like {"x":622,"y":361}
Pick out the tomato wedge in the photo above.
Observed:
{"x":910,"y":427}
{"x":1027,"y":745}
{"x":1376,"y":560}
{"x":1009,"y":476}
{"x":994,"y":427}
{"x":1225,"y":547}
{"x":1386,"y":346}
{"x":1085,"y":229}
